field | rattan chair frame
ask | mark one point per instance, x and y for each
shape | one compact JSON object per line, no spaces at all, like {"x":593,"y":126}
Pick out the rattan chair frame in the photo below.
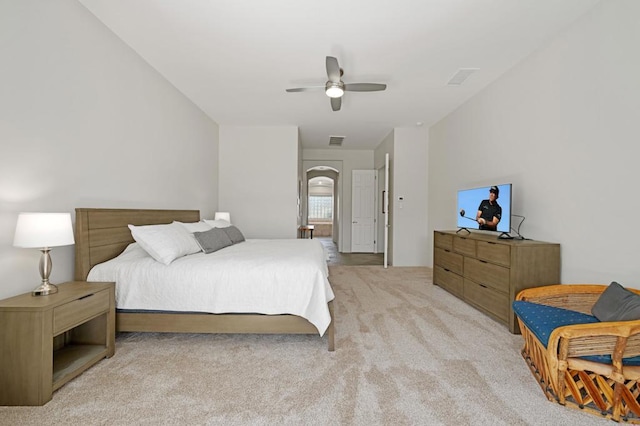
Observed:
{"x":606,"y":390}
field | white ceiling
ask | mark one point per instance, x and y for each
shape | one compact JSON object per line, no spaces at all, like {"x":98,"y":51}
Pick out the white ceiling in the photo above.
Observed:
{"x":235,"y":58}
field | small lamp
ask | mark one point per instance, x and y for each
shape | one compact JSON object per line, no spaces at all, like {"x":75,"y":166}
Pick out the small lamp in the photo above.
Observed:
{"x":44,"y":230}
{"x":223,"y":215}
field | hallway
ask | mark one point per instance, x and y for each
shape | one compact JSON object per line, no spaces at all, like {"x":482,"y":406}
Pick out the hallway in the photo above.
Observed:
{"x":337,"y":258}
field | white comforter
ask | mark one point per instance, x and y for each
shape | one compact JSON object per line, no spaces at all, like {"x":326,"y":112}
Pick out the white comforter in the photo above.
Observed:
{"x":255,"y":276}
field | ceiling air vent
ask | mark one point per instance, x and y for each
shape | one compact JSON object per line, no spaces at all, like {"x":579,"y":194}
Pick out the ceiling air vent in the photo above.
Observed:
{"x":460,"y":76}
{"x":335,"y":140}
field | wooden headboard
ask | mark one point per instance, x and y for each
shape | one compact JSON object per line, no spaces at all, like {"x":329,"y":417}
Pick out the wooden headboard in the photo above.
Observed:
{"x":102,"y":234}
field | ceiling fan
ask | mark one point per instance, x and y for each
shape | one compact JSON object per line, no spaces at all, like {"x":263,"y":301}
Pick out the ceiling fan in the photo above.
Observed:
{"x":335,"y":87}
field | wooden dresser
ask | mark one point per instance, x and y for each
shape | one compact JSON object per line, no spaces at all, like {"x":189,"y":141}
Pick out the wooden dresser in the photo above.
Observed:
{"x":488,"y":272}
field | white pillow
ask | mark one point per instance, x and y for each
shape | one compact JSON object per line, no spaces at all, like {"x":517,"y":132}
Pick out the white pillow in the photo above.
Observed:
{"x":195,"y":226}
{"x":219,"y":223}
{"x":165,"y":242}
{"x":192,"y":227}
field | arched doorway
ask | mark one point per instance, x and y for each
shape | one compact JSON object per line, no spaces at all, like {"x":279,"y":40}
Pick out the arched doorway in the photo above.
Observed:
{"x":320,"y":202}
{"x":323,"y":181}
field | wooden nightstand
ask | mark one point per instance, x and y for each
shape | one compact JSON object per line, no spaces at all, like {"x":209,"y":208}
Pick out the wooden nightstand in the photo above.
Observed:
{"x":45,"y":341}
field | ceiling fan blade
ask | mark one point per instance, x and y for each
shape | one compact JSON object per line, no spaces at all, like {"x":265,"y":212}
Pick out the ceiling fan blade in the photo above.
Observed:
{"x":306,"y":89}
{"x":364,"y":87}
{"x":333,"y":69}
{"x":336,"y":103}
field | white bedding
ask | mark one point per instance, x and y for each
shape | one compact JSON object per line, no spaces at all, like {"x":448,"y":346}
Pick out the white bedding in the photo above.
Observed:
{"x":255,"y":276}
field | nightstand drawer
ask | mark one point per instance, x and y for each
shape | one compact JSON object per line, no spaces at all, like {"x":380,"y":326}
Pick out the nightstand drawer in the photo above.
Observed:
{"x":78,"y":311}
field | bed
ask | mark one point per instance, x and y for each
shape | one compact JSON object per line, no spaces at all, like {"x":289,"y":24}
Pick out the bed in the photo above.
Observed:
{"x":103,"y":234}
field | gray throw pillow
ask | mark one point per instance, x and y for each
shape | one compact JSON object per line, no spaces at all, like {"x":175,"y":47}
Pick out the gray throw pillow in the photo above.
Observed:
{"x":234,"y":234}
{"x":617,"y":303}
{"x":212,"y":240}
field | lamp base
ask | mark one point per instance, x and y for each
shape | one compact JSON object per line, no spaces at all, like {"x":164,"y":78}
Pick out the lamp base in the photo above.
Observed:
{"x":45,"y":289}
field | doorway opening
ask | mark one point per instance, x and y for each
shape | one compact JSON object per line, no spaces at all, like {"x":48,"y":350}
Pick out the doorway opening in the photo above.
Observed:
{"x":329,"y":175}
{"x":321,"y":205}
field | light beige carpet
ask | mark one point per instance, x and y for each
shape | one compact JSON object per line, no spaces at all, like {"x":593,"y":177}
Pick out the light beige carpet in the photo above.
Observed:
{"x":407,"y":353}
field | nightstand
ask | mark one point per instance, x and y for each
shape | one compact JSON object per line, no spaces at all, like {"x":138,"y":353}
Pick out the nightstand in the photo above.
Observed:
{"x":45,"y":341}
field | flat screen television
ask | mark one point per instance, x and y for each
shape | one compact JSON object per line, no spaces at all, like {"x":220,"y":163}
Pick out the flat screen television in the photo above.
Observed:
{"x":476,"y":209}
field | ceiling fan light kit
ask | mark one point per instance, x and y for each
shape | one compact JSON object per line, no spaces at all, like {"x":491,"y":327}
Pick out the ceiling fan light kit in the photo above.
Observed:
{"x":334,"y":90}
{"x":335,"y":87}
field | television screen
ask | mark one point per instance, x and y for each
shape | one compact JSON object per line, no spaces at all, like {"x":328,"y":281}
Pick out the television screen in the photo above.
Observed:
{"x":487,"y":208}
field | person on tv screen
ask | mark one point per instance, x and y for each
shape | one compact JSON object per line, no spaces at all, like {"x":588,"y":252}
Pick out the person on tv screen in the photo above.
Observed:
{"x":489,"y":211}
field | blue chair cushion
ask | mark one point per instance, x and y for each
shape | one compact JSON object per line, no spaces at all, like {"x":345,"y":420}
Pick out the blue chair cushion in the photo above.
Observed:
{"x":541,"y":320}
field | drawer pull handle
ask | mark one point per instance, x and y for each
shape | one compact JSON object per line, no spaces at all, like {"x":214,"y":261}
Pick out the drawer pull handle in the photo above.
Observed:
{"x":84,"y":297}
{"x":447,"y":270}
{"x":482,"y":261}
{"x":482,"y":285}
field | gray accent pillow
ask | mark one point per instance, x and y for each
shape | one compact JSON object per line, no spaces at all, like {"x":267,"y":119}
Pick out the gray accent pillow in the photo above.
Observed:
{"x":212,"y":240}
{"x":617,"y":303}
{"x":234,"y":234}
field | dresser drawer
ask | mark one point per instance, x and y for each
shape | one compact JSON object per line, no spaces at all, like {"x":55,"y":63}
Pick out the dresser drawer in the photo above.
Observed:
{"x":448,"y":260}
{"x":443,"y":241}
{"x":492,"y":252}
{"x":464,"y":246}
{"x":448,"y":280}
{"x":493,"y":302}
{"x":489,"y":274}
{"x":78,"y":311}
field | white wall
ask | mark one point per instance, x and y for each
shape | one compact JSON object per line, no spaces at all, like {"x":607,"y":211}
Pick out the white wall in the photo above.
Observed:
{"x":258,"y":179}
{"x":386,"y":147}
{"x":410,"y":229}
{"x":301,"y":179}
{"x":562,"y":126}
{"x":85,"y":122}
{"x":351,"y":160}
{"x":408,"y":167}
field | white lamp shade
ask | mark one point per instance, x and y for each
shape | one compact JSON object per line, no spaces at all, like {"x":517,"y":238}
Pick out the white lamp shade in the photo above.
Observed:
{"x":223,"y":215}
{"x":43,"y":230}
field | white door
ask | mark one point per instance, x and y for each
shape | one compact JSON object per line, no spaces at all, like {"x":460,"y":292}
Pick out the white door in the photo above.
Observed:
{"x":385,"y":203}
{"x":380,"y":210}
{"x":363,"y":223}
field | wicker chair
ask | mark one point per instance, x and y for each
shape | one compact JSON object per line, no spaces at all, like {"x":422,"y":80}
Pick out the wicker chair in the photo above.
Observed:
{"x":608,"y":390}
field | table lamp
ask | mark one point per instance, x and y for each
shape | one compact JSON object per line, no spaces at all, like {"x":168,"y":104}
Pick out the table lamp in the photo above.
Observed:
{"x":223,"y":215}
{"x":43,"y":231}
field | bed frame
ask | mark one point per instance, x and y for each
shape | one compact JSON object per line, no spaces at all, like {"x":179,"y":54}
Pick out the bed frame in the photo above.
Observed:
{"x":102,"y":234}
